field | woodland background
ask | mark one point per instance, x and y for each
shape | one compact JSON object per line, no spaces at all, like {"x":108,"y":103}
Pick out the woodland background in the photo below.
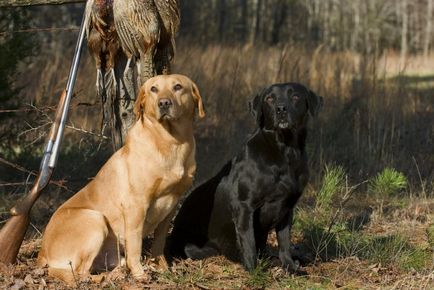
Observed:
{"x":371,"y":60}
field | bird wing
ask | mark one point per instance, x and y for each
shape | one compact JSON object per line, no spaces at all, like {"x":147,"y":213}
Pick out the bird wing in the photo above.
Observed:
{"x":170,"y":14}
{"x":95,"y":16}
{"x":137,"y":25}
{"x":87,"y":17}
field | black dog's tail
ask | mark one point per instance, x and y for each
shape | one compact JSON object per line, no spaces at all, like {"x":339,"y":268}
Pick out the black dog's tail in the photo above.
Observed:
{"x":194,"y":252}
{"x":190,"y":228}
{"x":174,"y":249}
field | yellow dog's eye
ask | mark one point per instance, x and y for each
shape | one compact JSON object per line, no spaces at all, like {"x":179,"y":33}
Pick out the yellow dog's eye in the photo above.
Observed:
{"x":177,"y":87}
{"x":154,"y":89}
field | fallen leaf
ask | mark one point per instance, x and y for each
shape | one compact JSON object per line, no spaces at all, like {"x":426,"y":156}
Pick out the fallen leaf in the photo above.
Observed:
{"x":29,"y":279}
{"x":18,"y":284}
{"x":39,"y":272}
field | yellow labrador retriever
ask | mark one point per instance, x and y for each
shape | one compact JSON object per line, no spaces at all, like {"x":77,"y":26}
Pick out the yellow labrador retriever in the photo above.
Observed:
{"x":134,"y":193}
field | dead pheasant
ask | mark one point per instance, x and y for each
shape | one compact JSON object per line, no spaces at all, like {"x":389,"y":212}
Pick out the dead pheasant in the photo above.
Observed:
{"x":103,"y":44}
{"x":146,"y":30}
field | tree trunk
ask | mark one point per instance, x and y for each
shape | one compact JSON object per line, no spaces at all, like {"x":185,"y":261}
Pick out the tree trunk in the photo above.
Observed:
{"x":404,"y":32}
{"x":244,"y":20}
{"x":427,"y":41}
{"x":254,"y":21}
{"x":279,"y":15}
{"x":222,"y":20}
{"x":355,"y":34}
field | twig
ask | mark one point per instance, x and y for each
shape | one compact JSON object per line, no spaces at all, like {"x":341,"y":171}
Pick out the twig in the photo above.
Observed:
{"x":23,"y":3}
{"x":15,"y":111}
{"x":39,"y":110}
{"x":36,"y":229}
{"x":48,"y":108}
{"x":50,"y":121}
{"x":422,"y":183}
{"x":72,"y":127}
{"x":428,"y":279}
{"x":347,"y":196}
{"x":73,"y":275}
{"x":59,"y":183}
{"x":49,"y":29}
{"x":13,"y":184}
{"x":32,"y":129}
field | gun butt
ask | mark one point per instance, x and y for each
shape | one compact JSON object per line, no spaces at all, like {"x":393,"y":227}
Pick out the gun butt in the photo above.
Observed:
{"x":12,"y":236}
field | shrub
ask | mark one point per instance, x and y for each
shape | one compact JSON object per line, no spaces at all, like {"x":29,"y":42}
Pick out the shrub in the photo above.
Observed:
{"x":388,"y":182}
{"x":333,"y":182}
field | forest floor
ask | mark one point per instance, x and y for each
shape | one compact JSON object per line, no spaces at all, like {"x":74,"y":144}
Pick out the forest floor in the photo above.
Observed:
{"x":402,"y":260}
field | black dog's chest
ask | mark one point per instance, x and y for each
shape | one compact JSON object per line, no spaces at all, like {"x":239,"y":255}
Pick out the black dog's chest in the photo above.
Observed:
{"x":279,"y":199}
{"x":276,"y":198}
{"x":282,"y":182}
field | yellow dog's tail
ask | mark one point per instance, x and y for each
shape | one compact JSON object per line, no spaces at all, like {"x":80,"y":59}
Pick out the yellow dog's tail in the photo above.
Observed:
{"x":63,"y":274}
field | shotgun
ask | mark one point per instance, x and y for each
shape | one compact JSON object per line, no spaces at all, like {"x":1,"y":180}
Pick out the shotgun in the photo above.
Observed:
{"x":12,"y":233}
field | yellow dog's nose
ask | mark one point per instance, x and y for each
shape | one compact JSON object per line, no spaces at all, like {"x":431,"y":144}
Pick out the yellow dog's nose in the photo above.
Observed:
{"x":164,"y":103}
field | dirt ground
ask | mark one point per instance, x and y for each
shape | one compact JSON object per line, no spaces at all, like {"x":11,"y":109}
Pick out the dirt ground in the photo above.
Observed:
{"x":220,"y":273}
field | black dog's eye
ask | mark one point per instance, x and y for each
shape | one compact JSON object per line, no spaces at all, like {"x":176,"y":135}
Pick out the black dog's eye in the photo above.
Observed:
{"x":295,"y":98}
{"x":269,"y":99}
{"x":154,"y":89}
{"x":177,"y":87}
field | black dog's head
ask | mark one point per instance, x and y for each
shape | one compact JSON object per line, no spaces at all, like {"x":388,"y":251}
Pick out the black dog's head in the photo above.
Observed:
{"x":284,"y":106}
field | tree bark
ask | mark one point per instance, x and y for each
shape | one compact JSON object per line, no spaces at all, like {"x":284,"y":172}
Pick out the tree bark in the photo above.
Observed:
{"x":404,"y":32}
{"x":15,"y":3}
{"x":428,"y":29}
{"x":356,"y":19}
{"x":253,"y":31}
{"x":222,"y":20}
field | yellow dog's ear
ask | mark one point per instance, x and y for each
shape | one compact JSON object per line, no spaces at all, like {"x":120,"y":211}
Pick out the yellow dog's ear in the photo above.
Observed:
{"x":198,"y":99}
{"x":139,"y":106}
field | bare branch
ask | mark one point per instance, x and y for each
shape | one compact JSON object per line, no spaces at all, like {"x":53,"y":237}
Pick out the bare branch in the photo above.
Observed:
{"x":16,"y":3}
{"x":48,"y":29}
{"x":81,"y":130}
{"x":59,"y":183}
{"x":48,"y":108}
{"x":14,"y":184}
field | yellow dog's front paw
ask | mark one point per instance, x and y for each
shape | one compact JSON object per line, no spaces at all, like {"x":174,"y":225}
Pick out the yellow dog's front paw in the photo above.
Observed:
{"x":140,"y":275}
{"x":161,"y":264}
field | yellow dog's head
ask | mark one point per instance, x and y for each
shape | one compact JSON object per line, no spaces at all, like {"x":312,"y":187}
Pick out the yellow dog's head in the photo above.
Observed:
{"x":169,"y":98}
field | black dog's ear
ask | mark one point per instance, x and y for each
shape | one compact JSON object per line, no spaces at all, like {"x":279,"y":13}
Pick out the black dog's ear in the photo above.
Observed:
{"x":314,"y":103}
{"x":255,"y":108}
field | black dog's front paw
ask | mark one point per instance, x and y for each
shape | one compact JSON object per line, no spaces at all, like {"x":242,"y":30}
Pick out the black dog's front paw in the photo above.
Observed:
{"x":293,"y":267}
{"x":302,"y":255}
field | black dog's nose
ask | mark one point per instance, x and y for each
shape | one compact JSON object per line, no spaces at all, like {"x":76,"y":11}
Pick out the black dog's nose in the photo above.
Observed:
{"x":281,"y":109}
{"x":164,"y":103}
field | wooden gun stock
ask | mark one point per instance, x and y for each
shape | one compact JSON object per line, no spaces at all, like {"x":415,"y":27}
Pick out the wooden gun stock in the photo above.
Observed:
{"x":11,"y":237}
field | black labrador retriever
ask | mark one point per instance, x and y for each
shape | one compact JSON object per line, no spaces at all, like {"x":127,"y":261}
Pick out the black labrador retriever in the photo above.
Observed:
{"x":255,"y":192}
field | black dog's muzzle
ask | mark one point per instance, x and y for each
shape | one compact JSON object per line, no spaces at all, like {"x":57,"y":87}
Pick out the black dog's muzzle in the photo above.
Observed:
{"x":283,"y":119}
